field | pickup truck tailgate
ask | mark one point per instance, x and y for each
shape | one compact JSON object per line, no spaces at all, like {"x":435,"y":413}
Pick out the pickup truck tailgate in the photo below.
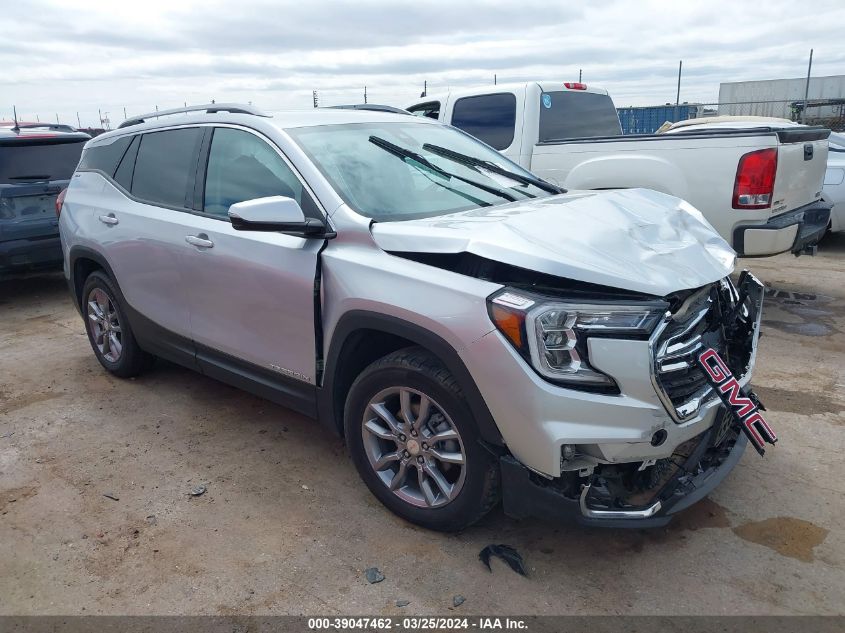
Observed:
{"x":802,"y":161}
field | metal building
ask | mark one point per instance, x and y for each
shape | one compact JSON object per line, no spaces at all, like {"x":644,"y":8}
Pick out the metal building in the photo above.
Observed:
{"x":785,"y":98}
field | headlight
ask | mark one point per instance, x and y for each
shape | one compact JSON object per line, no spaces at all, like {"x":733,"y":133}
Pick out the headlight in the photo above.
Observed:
{"x":552,"y":335}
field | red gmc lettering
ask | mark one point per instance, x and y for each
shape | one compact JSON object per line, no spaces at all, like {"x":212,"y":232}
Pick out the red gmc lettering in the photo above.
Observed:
{"x":757,"y":426}
{"x":742,"y":405}
{"x":718,"y":370}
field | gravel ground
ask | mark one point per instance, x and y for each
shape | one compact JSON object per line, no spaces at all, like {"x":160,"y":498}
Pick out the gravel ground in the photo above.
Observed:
{"x":96,"y":514}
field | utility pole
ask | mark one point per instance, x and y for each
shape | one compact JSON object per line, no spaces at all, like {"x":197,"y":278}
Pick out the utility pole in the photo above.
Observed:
{"x":579,"y":75}
{"x":678,"y":93}
{"x":807,"y":88}
{"x":78,"y":122}
{"x":365,"y":94}
{"x":57,"y":118}
{"x":314,"y":97}
{"x":495,"y":79}
{"x":124,"y":113}
{"x":425,"y":88}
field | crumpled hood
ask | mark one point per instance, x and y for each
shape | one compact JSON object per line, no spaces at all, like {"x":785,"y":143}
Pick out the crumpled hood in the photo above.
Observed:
{"x":632,"y":239}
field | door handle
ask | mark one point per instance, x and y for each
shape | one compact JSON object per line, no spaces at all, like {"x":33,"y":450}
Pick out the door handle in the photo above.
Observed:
{"x":200,"y":240}
{"x":109,"y":219}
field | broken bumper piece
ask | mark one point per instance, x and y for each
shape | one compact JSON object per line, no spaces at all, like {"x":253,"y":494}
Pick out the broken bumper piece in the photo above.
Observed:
{"x":526,"y":494}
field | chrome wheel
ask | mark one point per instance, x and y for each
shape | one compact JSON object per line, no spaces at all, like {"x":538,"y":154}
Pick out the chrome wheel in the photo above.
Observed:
{"x":414,"y":447}
{"x":105,"y":325}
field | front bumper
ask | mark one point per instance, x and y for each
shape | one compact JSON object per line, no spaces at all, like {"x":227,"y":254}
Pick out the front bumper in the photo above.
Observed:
{"x":793,"y":231}
{"x":525,"y":494}
{"x":636,"y":458}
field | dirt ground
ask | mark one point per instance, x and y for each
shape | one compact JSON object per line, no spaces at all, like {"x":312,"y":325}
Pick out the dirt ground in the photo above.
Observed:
{"x":287,"y":527}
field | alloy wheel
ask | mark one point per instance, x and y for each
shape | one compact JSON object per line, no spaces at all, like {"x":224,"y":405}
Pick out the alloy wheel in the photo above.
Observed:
{"x":414,"y":447}
{"x":105,"y":325}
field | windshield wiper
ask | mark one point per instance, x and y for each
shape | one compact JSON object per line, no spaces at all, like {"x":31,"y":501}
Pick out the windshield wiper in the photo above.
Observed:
{"x":405,"y":153}
{"x":472,"y":161}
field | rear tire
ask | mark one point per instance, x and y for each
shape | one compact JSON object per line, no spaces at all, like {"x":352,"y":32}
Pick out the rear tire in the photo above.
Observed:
{"x":108,"y":328}
{"x":416,"y":445}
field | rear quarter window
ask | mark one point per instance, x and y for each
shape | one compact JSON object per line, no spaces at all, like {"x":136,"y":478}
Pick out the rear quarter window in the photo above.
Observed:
{"x":489,"y":118}
{"x":166,"y":167}
{"x":106,"y":157}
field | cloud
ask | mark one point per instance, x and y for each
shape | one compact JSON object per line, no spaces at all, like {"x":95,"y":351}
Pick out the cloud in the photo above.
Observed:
{"x":87,"y":56}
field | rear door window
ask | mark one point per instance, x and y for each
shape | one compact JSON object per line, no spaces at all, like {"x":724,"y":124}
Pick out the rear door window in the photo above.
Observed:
{"x":38,"y":160}
{"x":241,"y":166}
{"x":123,"y":174}
{"x":166,"y":167}
{"x":489,"y":118}
{"x":105,"y":158}
{"x":577,"y":114}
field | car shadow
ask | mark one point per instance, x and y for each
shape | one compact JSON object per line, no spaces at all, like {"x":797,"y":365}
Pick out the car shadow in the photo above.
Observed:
{"x":30,"y":286}
{"x":832,"y":243}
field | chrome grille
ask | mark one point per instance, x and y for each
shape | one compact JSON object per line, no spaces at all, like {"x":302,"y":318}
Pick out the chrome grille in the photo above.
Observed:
{"x":680,"y":383}
{"x":721,"y":316}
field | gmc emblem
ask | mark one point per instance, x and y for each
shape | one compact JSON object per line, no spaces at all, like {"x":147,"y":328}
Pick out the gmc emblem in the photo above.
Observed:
{"x":746,"y":410}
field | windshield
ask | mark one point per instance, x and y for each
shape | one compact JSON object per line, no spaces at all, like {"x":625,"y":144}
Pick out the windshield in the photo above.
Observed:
{"x":384,"y":172}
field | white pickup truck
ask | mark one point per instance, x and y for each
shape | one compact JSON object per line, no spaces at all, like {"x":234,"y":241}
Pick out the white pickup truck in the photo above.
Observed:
{"x":760,"y":188}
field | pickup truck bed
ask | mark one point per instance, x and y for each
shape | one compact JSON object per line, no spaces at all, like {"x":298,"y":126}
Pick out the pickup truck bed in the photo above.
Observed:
{"x":701,"y":168}
{"x":759,"y":187}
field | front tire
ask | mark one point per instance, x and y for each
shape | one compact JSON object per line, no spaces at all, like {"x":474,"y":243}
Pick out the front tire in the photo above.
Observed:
{"x":416,"y":445}
{"x":108,"y":328}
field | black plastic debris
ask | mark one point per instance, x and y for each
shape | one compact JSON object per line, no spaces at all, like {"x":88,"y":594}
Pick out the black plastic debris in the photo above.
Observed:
{"x":373,"y":575}
{"x":458,"y":601}
{"x":111,"y":495}
{"x":505,"y":553}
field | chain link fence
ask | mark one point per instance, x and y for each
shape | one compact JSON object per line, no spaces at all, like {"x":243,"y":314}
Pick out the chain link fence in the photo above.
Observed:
{"x":829,"y":113}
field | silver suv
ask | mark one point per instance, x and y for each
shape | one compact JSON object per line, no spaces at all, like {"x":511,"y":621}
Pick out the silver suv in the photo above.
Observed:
{"x":472,"y":331}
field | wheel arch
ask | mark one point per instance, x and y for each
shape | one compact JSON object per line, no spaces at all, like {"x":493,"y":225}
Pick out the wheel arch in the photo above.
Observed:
{"x":83,"y":261}
{"x":362,"y":337}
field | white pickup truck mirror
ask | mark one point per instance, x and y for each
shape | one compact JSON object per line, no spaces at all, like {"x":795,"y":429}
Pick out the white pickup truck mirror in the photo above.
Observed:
{"x":277,"y":214}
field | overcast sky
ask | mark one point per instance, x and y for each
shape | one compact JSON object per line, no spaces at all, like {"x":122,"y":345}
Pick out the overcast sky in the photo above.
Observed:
{"x":69,"y":57}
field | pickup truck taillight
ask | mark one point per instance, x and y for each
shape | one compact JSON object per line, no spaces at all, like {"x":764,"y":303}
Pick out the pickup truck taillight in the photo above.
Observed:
{"x":755,"y":179}
{"x":60,"y":200}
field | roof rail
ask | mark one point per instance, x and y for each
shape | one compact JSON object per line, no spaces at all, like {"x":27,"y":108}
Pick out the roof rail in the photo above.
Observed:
{"x":55,"y":127}
{"x":209,"y":108}
{"x":374,"y":107}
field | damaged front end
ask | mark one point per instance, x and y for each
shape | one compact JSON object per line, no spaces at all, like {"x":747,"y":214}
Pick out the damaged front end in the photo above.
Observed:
{"x":627,"y":495}
{"x":720,"y":316}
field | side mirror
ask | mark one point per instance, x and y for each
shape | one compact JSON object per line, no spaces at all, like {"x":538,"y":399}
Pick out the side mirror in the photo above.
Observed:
{"x":276,"y":214}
